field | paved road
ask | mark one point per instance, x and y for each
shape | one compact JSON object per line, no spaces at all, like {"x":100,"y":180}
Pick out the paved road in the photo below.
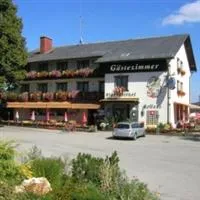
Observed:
{"x":169,"y":165}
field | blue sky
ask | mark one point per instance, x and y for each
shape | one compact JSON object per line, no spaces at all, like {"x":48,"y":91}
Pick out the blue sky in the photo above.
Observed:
{"x":104,"y":20}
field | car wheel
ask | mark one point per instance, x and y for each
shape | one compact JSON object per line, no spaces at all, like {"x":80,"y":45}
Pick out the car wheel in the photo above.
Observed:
{"x":144,"y":134}
{"x":135,"y":136}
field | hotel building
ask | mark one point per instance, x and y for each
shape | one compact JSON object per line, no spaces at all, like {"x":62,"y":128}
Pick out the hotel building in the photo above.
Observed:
{"x":138,"y":79}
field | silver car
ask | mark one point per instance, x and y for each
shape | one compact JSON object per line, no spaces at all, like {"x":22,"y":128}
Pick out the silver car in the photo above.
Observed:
{"x":129,"y":130}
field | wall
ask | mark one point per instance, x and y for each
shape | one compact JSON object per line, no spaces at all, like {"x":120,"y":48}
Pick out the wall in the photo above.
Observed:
{"x":174,"y":98}
{"x":138,"y":84}
{"x":72,"y":83}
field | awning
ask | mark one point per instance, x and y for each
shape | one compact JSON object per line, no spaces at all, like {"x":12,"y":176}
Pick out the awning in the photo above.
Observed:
{"x":44,"y":105}
{"x":120,"y":100}
{"x":193,"y":106}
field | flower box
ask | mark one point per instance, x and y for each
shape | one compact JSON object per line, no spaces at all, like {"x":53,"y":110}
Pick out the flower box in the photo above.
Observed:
{"x":118,"y":91}
{"x":49,"y":96}
{"x":180,"y":93}
{"x":35,"y":96}
{"x":61,"y":96}
{"x":23,"y":97}
{"x":182,"y":72}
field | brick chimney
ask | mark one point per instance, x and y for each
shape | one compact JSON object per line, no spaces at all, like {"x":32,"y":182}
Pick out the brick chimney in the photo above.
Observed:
{"x":45,"y":44}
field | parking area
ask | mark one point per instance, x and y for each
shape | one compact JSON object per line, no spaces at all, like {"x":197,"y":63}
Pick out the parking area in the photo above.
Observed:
{"x":169,"y":165}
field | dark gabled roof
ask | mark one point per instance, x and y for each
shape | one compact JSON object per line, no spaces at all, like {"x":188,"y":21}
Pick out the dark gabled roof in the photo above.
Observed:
{"x":127,"y":50}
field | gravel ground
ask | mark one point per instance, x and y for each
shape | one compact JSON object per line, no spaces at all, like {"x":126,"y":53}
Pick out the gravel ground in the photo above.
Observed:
{"x":169,"y":165}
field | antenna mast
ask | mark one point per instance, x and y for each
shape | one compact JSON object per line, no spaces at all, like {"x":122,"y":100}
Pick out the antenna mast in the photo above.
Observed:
{"x":81,"y":33}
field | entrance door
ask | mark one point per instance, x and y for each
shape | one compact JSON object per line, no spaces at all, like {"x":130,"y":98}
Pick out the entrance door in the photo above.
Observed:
{"x":121,"y":111}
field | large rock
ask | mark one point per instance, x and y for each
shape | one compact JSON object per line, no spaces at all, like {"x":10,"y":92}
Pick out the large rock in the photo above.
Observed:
{"x":39,"y":186}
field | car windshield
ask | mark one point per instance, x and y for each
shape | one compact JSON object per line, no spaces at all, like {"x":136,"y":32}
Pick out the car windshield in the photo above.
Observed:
{"x":123,"y":126}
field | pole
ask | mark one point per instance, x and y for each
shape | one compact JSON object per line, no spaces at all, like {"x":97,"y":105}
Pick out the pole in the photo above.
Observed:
{"x":168,"y":96}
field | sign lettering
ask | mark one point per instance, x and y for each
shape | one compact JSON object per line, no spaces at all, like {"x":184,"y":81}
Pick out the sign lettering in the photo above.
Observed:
{"x":134,"y":66}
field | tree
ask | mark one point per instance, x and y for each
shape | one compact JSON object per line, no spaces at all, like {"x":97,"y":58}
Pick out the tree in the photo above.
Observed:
{"x":13,"y":53}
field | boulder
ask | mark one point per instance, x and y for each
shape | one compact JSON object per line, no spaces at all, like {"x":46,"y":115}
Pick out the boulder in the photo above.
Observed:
{"x":38,"y":186}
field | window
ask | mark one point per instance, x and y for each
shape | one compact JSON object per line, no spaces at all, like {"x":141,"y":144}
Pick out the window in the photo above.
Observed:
{"x":181,"y":64}
{"x":61,"y":66}
{"x":61,"y":86}
{"x":42,"y":87}
{"x":135,"y":125}
{"x":43,"y":67}
{"x":178,"y":85}
{"x":178,"y":63}
{"x":82,"y":64}
{"x":152,"y":117}
{"x":123,"y":126}
{"x":25,"y":88}
{"x":83,"y":86}
{"x":101,"y":86}
{"x":181,"y":86}
{"x":121,"y":81}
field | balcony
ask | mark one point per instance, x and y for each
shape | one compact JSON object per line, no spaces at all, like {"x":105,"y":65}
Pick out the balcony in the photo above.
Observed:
{"x":56,"y":74}
{"x":60,"y":96}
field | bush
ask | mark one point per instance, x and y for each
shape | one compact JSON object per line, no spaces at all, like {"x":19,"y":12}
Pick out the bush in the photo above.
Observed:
{"x":86,"y":168}
{"x":50,"y":168}
{"x":6,"y":191}
{"x":135,"y":190}
{"x":9,"y":170}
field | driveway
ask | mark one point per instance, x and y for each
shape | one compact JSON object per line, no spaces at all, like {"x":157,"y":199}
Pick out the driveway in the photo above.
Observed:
{"x":169,"y":165}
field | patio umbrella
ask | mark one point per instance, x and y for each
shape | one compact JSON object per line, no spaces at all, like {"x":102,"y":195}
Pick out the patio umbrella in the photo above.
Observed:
{"x":47,"y":116}
{"x":65,"y":117}
{"x":17,"y":115}
{"x":33,"y":115}
{"x":84,"y":118}
{"x":192,"y":115}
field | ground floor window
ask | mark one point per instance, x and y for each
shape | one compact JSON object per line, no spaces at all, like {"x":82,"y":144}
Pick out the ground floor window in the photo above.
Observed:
{"x":152,"y":117}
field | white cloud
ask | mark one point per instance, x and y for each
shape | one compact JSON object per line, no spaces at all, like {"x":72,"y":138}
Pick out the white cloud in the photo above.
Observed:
{"x":189,"y":12}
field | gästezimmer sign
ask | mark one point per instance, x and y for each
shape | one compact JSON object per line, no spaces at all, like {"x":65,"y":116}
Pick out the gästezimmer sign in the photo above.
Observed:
{"x":136,"y":66}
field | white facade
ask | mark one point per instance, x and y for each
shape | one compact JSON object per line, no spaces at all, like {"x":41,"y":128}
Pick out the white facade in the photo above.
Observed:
{"x":165,"y":102}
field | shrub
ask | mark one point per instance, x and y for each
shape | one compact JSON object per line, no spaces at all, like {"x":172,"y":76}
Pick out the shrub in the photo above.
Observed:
{"x":110,"y":174}
{"x":6,"y":191}
{"x":9,"y":170}
{"x":50,"y":168}
{"x":86,"y":168}
{"x":135,"y":190}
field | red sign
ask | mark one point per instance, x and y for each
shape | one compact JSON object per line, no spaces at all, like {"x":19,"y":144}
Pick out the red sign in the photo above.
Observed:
{"x":152,"y":112}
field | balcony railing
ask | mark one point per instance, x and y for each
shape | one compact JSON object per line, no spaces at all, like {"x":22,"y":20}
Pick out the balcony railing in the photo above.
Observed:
{"x":56,"y":74}
{"x":72,"y":96}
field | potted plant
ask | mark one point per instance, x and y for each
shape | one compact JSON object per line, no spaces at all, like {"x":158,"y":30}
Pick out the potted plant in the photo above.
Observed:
{"x":23,"y":97}
{"x":31,"y":75}
{"x":55,"y":74}
{"x":182,"y":72}
{"x":43,"y":74}
{"x":36,"y":96}
{"x":61,"y":96}
{"x":48,"y":96}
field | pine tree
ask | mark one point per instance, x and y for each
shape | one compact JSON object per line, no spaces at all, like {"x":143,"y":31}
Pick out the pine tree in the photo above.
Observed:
{"x":13,"y":53}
